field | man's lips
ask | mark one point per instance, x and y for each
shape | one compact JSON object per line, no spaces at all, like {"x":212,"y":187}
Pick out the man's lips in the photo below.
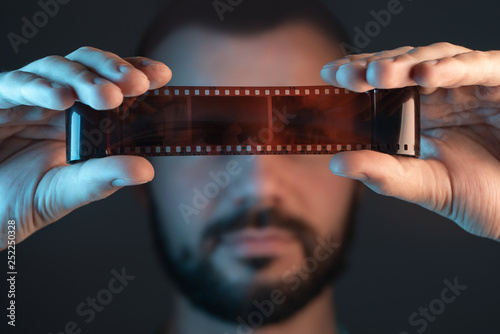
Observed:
{"x":261,"y":242}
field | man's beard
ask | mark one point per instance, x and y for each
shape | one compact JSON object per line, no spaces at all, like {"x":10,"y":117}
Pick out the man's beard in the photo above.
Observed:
{"x":208,"y":289}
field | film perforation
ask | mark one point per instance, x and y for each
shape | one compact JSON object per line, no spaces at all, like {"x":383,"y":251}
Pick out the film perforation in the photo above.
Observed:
{"x":208,"y":120}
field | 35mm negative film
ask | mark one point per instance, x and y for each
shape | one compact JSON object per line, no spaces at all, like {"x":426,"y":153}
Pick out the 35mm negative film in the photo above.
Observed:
{"x":184,"y":121}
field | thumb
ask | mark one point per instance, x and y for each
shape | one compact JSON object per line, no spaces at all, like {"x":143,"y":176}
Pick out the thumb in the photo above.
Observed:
{"x":76,"y":185}
{"x":414,"y":180}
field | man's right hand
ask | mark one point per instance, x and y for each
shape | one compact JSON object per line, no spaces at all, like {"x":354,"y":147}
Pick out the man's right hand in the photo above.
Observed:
{"x":37,"y":187}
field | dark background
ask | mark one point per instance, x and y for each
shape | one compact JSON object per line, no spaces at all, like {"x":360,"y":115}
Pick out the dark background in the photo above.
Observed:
{"x":399,"y":259}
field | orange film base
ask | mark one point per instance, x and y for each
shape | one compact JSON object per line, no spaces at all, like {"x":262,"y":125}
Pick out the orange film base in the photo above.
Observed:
{"x":184,"y":121}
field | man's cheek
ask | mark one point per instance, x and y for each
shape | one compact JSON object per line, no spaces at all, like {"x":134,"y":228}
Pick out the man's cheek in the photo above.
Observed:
{"x":178,"y":234}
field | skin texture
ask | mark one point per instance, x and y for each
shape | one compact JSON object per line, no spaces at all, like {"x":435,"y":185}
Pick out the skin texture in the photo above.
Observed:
{"x":458,"y":175}
{"x":300,"y":186}
{"x":36,"y":186}
{"x":40,"y":188}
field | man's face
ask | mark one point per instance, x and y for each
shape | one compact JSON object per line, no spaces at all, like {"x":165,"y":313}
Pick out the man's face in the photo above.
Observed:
{"x":247,"y":223}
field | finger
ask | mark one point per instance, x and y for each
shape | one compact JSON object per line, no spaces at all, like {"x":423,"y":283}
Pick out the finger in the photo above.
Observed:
{"x":8,"y":132}
{"x":133,"y":78}
{"x":23,"y":115}
{"x":41,"y":132}
{"x":466,"y":69}
{"x":352,"y":76}
{"x":157,"y":72}
{"x":464,"y":118}
{"x":458,"y":99}
{"x":329,"y":71}
{"x":331,"y":68}
{"x":467,"y":105}
{"x":398,"y":71}
{"x":414,"y":180}
{"x":71,"y":187}
{"x":461,"y":98}
{"x":427,"y":90}
{"x":24,"y":88}
{"x":88,"y":87}
{"x":390,"y":53}
{"x":488,"y":94}
{"x":389,"y":72}
{"x":12,"y":146}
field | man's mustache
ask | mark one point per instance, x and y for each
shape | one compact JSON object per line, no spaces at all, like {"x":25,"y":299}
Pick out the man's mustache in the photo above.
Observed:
{"x":250,"y":217}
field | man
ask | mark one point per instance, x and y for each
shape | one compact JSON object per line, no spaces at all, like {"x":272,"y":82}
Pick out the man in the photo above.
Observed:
{"x":259,"y":237}
{"x":261,"y":255}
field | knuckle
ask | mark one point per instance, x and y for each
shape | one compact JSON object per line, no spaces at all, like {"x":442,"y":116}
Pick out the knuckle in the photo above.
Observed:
{"x":110,"y":60}
{"x":443,"y":45}
{"x":25,"y":91}
{"x":348,"y":58}
{"x":10,"y":76}
{"x":85,"y":49}
{"x":50,"y":60}
{"x":411,"y":50}
{"x":477,"y":55}
{"x":377,"y":55}
{"x":80,"y":52}
{"x":58,"y":97}
{"x":407,"y":48}
{"x":84,"y":75}
{"x":17,"y":77}
{"x":381,"y":185}
{"x":141,"y":58}
{"x":406,"y":57}
{"x":38,"y":81}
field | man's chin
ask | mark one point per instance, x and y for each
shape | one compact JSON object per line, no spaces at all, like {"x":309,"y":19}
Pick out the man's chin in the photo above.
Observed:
{"x":252,"y":260}
{"x":266,"y":302}
{"x":263,"y":290}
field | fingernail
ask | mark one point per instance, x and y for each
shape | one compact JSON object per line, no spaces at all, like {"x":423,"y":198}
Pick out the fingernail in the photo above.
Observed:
{"x":359,"y":177}
{"x":329,"y":76}
{"x":125,"y":183}
{"x":431,"y":62}
{"x":147,"y":62}
{"x":56,"y":85}
{"x":125,"y":68}
{"x":361,"y":63}
{"x":330,"y":65}
{"x":339,"y":168}
{"x":324,"y":71}
{"x":100,"y":81}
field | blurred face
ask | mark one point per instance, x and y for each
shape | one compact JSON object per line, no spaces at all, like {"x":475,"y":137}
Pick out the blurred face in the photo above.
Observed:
{"x":238,"y":227}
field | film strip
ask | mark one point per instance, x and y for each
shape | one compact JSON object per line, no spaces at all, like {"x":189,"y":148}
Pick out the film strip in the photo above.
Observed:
{"x":184,"y":121}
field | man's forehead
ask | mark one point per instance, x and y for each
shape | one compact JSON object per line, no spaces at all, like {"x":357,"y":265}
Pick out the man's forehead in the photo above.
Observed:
{"x":291,"y":54}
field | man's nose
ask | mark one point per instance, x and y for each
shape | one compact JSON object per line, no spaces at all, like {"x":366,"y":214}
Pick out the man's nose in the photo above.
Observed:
{"x":261,"y":182}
